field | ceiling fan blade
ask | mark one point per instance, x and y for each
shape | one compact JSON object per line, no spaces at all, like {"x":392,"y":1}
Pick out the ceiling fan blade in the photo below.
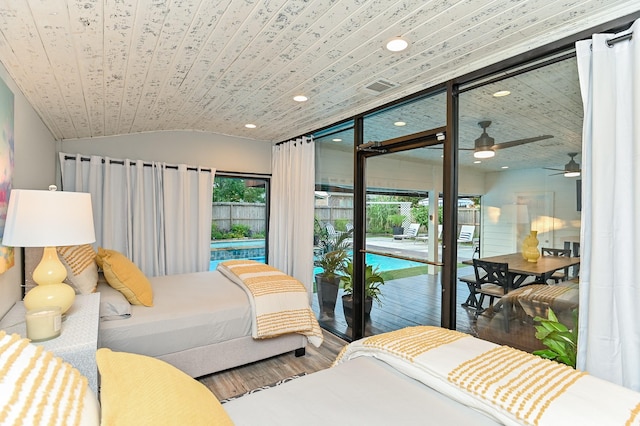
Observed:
{"x":520,"y":142}
{"x":555,"y":170}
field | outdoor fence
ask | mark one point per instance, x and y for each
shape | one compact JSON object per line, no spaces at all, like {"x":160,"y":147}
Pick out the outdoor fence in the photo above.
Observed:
{"x":225,"y":215}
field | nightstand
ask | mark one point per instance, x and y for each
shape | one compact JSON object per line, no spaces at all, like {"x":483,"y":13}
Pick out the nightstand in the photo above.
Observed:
{"x":78,"y":341}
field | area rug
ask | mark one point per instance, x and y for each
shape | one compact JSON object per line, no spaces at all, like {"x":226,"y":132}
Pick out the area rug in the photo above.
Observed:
{"x":278,"y":383}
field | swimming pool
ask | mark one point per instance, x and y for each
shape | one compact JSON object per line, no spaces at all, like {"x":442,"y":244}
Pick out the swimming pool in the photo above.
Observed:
{"x":236,"y":249}
{"x":382,"y":262}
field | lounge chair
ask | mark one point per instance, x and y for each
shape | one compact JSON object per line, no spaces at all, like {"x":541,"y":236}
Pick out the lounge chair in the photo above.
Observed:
{"x":412,"y":232}
{"x":466,"y":234}
{"x":425,"y":238}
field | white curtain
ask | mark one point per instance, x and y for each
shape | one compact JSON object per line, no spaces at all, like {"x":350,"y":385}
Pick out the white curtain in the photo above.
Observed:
{"x":157,"y":215}
{"x":609,"y":324}
{"x":292,"y":209}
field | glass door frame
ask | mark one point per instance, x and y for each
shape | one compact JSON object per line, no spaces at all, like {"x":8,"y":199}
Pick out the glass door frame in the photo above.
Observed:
{"x":363,"y":151}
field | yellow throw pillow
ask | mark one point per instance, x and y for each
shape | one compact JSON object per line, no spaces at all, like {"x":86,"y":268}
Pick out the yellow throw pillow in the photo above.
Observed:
{"x":123,"y":275}
{"x":82,"y":271}
{"x":140,"y":390}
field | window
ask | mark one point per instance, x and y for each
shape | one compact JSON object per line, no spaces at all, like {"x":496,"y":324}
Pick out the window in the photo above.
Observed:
{"x":240,"y":218}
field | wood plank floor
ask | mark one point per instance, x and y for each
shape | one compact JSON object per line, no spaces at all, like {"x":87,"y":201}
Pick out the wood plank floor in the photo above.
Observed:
{"x":238,"y":380}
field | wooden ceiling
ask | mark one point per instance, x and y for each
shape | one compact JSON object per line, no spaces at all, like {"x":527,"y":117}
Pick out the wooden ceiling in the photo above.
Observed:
{"x":94,"y":68}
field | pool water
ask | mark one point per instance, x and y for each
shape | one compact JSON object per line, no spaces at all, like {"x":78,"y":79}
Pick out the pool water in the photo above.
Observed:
{"x":382,"y":262}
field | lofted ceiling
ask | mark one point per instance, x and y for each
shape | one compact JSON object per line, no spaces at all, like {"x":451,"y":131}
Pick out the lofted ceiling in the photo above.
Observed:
{"x":94,"y":68}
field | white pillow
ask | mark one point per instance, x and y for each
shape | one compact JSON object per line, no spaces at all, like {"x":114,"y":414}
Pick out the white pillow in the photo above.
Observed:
{"x":113,"y":304}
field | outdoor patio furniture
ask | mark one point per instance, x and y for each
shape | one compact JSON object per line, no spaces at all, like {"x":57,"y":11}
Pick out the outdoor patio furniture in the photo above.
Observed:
{"x":412,"y":232}
{"x":332,"y":233}
{"x":425,"y":238}
{"x":559,"y":275}
{"x":492,"y":280}
{"x":466,"y":234}
{"x":524,"y":273}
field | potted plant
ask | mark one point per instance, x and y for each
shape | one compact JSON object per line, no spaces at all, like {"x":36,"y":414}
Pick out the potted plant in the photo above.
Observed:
{"x":332,"y":261}
{"x":396,"y":221}
{"x":560,"y":340}
{"x":372,"y":283}
{"x":320,"y":233}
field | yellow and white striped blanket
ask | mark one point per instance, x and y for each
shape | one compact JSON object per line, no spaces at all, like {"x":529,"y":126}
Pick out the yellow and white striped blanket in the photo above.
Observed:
{"x":37,"y":387}
{"x":279,"y":302}
{"x":512,"y":386}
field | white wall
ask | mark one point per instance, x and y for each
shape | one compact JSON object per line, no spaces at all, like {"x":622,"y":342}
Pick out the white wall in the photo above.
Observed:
{"x":502,"y":188}
{"x":397,"y":171}
{"x":224,"y":153}
{"x":34,"y":168}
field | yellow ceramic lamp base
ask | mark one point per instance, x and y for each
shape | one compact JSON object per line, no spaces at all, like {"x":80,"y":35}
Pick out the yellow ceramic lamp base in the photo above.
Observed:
{"x":50,"y":295}
{"x":50,"y":291}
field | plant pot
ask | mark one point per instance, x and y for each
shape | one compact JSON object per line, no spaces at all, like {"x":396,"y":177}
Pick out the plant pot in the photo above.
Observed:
{"x":327,"y":290}
{"x":347,"y":308}
{"x":397,"y":230}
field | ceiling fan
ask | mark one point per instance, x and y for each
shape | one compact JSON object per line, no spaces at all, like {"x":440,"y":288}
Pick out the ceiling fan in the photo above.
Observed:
{"x":485,"y":146}
{"x":571,"y":169}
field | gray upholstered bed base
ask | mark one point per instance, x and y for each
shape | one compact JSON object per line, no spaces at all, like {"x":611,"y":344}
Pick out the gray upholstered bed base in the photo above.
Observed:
{"x":221,"y":356}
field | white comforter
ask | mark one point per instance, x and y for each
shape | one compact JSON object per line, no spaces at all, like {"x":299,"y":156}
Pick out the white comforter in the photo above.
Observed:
{"x":512,"y":386}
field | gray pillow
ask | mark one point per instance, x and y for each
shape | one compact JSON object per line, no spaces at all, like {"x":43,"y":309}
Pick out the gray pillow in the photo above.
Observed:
{"x":113,"y":304}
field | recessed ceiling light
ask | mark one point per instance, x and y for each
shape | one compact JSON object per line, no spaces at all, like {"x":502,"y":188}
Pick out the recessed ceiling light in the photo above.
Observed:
{"x":501,"y":93}
{"x":337,"y":140}
{"x":505,"y":167}
{"x":300,"y":98}
{"x":397,"y":44}
{"x":399,"y":123}
{"x":477,"y":162}
{"x":250,"y":126}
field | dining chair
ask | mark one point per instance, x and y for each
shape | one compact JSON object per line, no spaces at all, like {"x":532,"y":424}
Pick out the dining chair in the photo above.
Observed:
{"x":559,"y":275}
{"x":492,"y":280}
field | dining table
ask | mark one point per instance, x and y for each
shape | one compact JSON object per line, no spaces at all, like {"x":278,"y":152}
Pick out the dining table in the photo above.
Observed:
{"x":521,"y":269}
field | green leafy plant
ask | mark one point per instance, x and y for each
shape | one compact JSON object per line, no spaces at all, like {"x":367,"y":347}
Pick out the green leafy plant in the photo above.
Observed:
{"x":372,"y":281}
{"x":341,"y":224}
{"x":335,"y":254}
{"x":561,"y":342}
{"x":420,"y":214}
{"x":395,"y":219}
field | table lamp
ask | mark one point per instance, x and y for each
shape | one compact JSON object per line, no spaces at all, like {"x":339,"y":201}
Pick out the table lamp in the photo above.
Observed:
{"x":49,"y":219}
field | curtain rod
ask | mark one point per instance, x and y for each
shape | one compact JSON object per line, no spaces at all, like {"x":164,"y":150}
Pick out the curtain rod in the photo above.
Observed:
{"x":309,"y":139}
{"x":615,"y":40}
{"x":120,"y":162}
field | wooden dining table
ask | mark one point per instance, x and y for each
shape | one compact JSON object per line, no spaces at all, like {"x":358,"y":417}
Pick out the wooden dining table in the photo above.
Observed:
{"x":521,"y":269}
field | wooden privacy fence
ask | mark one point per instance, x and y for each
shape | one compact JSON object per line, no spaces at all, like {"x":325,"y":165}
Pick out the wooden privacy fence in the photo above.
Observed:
{"x":225,"y":215}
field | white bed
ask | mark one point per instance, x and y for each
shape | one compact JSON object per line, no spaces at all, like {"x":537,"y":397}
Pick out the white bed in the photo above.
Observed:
{"x":199,"y":322}
{"x":360,"y":391}
{"x":428,"y":375}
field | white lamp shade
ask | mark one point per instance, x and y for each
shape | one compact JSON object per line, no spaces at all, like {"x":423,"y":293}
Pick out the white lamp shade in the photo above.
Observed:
{"x":48,"y":218}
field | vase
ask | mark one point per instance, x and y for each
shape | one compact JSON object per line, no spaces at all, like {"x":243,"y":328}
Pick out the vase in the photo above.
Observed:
{"x":530,"y":247}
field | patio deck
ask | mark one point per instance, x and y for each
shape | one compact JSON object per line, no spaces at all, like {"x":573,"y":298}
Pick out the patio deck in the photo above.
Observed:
{"x":417,"y":301}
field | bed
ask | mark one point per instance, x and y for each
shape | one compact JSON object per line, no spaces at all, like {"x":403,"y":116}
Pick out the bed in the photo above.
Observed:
{"x":200,"y":322}
{"x":430,"y":375}
{"x":416,"y":375}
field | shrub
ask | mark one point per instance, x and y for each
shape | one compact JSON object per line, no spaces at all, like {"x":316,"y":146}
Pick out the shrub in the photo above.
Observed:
{"x":341,"y":224}
{"x":240,"y":231}
{"x":216,"y":234}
